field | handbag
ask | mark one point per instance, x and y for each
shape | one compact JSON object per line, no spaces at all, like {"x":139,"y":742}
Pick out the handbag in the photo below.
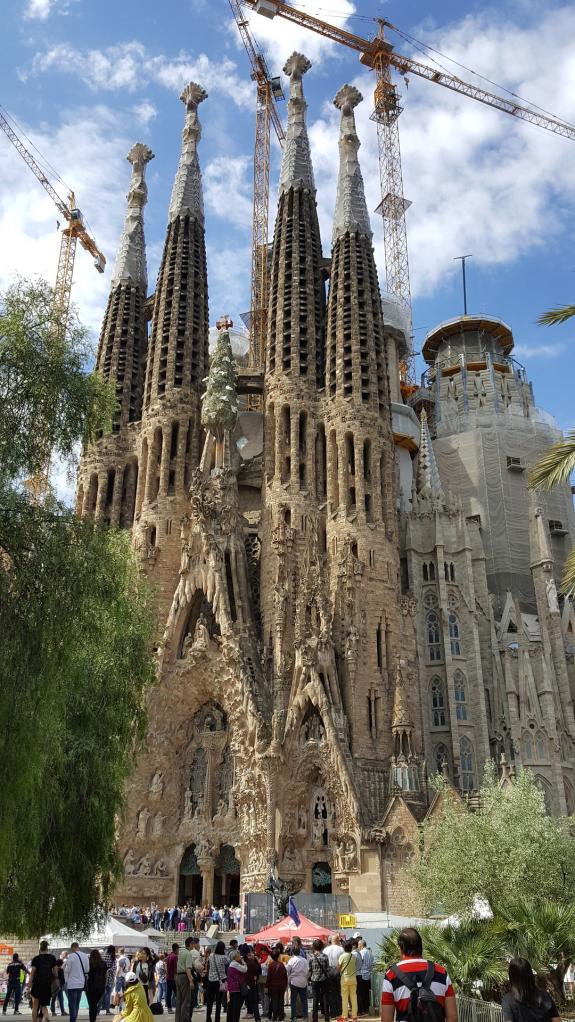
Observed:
{"x":55,"y":986}
{"x":83,"y":969}
{"x":157,"y":1008}
{"x":223,"y":987}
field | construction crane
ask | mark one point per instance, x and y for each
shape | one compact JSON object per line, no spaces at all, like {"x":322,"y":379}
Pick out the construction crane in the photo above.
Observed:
{"x":74,"y":231}
{"x":268,"y":92}
{"x":379,"y":55}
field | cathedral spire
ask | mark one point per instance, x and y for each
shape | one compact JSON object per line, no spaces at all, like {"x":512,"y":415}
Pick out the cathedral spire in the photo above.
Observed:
{"x":296,"y":162}
{"x":131,"y":259}
{"x":187,"y":191}
{"x":350,"y":208}
{"x":428,"y":482}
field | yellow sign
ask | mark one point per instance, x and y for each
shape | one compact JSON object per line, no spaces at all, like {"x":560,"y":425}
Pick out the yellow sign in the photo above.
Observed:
{"x":347,"y":922}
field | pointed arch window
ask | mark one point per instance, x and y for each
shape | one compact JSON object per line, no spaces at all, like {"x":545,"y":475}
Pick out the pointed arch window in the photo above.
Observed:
{"x":454,"y":639}
{"x":460,"y":696}
{"x":541,"y":750}
{"x":466,"y":764}
{"x":442,"y":758}
{"x":527,"y":747}
{"x":433,"y":637}
{"x":431,"y":571}
{"x":425,"y":572}
{"x":438,"y":716}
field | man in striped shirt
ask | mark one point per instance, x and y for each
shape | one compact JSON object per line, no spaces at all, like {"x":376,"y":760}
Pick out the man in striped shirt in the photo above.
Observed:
{"x":396,"y":996}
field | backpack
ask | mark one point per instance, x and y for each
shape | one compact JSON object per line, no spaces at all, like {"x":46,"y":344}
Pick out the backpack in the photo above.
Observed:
{"x":423,"y":1004}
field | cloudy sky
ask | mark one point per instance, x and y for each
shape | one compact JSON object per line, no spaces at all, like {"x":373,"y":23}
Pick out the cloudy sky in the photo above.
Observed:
{"x":85,"y":79}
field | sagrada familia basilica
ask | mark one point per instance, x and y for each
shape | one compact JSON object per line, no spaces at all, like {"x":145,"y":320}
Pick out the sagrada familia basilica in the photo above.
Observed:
{"x":355,"y":588}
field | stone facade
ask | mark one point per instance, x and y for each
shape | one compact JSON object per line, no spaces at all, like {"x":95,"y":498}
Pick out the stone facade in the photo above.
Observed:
{"x":337,"y":625}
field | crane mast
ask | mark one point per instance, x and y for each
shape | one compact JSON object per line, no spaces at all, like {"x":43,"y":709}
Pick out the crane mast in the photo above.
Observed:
{"x":268,"y":91}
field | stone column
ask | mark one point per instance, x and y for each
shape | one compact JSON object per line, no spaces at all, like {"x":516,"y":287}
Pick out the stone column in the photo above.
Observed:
{"x":101,"y":498}
{"x":117,"y":495}
{"x":207,"y":867}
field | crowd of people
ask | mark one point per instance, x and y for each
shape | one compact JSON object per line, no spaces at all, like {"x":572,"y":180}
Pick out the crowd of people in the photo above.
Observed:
{"x":268,"y":980}
{"x":182,"y":918}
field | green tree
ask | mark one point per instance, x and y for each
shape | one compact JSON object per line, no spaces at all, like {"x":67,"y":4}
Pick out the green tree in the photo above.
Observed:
{"x":510,"y":844}
{"x":48,"y":402}
{"x":77,"y":628}
{"x":542,"y":931}
{"x":557,"y":464}
{"x":220,"y":403}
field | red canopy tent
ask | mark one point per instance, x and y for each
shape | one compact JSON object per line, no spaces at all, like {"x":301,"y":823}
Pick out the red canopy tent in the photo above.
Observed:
{"x":285,"y":929}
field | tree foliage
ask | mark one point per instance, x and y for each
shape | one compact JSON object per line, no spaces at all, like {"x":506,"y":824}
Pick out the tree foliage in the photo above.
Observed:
{"x":510,"y":844}
{"x":220,"y":402}
{"x":77,"y":631}
{"x":48,"y":402}
{"x":559,"y":315}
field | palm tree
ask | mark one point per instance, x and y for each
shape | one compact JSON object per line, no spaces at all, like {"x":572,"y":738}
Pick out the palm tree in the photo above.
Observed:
{"x":542,"y":931}
{"x":557,"y":464}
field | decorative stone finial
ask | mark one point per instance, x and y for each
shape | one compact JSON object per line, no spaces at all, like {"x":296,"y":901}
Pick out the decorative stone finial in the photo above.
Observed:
{"x":220,"y":402}
{"x":351,"y":213}
{"x":225,"y":322}
{"x":428,"y":481}
{"x":187,"y":191}
{"x":296,"y":161}
{"x":131,"y":259}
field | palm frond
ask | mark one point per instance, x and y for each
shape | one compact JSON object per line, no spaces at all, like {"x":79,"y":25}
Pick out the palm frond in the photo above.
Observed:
{"x":568,"y":580}
{"x":555,"y":466}
{"x":558,"y":315}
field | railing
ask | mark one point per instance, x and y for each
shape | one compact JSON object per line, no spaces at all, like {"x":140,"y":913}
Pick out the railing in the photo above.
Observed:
{"x":471,"y":1009}
{"x":473,"y":357}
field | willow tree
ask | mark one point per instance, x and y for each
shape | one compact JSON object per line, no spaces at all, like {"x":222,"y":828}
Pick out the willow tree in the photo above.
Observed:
{"x":76,"y":640}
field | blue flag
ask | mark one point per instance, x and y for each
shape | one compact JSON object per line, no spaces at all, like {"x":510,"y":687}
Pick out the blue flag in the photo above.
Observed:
{"x":293,"y":912}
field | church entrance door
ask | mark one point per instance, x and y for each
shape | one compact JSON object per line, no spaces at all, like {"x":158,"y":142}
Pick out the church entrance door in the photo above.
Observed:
{"x":191,"y":883}
{"x":226,"y":878}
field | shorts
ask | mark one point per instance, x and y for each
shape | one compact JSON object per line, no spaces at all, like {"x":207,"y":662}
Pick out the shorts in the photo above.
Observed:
{"x":119,"y":984}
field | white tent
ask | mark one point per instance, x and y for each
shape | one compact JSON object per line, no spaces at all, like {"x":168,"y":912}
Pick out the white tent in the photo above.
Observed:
{"x":112,"y":931}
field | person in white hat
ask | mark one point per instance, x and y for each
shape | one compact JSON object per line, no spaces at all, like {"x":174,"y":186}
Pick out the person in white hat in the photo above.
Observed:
{"x":137,"y":1008}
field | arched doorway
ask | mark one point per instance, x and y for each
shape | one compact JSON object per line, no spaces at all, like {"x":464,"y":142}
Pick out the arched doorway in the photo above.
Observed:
{"x":226,"y":878}
{"x":321,"y":878}
{"x":190,"y":885}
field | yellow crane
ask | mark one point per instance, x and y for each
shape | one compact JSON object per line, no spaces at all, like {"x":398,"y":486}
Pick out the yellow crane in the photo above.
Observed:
{"x":268,"y":92}
{"x":379,"y":54}
{"x":74,"y":231}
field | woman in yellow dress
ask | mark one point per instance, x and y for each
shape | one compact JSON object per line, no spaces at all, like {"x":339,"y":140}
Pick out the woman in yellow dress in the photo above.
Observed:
{"x":137,"y":1008}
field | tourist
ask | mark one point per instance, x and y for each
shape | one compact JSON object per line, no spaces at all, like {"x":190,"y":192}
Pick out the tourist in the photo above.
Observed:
{"x":109,"y":958}
{"x":526,"y":1001}
{"x":122,"y":968}
{"x":185,"y":983}
{"x":252,"y":981}
{"x":236,"y":986}
{"x":58,"y":994}
{"x":319,"y":977}
{"x":96,"y":983}
{"x":216,"y":980}
{"x":277,"y":983}
{"x":413,"y":970}
{"x":13,"y":972}
{"x":364,"y":977}
{"x":143,"y":969}
{"x":137,"y":1008}
{"x":161,"y":977}
{"x":76,"y":969}
{"x":43,"y":970}
{"x":171,"y":966}
{"x":165,"y":924}
{"x":298,"y":971}
{"x":232,"y":948}
{"x":348,"y":981}
{"x":333,"y":953}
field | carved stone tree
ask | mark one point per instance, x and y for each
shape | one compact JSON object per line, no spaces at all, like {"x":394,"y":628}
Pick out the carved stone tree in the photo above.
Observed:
{"x":220,"y":403}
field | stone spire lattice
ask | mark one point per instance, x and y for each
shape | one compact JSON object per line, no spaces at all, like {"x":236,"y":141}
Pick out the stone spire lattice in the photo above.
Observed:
{"x":131,"y":259}
{"x":350,"y":208}
{"x":187,"y":191}
{"x":428,"y":482}
{"x":296,"y":161}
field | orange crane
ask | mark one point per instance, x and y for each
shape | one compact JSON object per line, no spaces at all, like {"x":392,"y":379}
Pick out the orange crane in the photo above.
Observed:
{"x":74,"y":231}
{"x":269,"y":91}
{"x":379,"y":55}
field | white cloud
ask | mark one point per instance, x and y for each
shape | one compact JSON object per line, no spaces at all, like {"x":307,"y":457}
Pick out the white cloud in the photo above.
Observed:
{"x":228,"y":189}
{"x":40,"y":10}
{"x":539,"y":350}
{"x":479,"y":180}
{"x":145,"y":112}
{"x":130,"y":66}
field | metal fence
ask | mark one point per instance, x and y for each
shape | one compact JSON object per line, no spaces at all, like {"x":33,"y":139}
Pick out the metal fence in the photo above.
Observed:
{"x":323,"y":909}
{"x":471,"y":1009}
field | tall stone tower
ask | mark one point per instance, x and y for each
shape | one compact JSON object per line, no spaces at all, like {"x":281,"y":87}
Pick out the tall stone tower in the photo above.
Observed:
{"x":294,"y":487}
{"x":177,"y":364}
{"x":109,"y":472}
{"x":361,"y":520}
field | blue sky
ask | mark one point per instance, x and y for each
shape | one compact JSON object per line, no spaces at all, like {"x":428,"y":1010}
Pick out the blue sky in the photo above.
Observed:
{"x":86,"y":79}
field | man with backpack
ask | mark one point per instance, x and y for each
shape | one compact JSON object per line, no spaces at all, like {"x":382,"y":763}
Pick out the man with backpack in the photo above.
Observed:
{"x":416,"y":990}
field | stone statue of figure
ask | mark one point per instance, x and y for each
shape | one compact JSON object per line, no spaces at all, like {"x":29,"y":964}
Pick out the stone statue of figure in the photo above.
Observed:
{"x":188,"y":803}
{"x":142,"y":825}
{"x":317,"y":832}
{"x":350,"y":855}
{"x":158,"y":825}
{"x":338,"y":853}
{"x":201,"y":638}
{"x":129,"y":862}
{"x":351,"y":643}
{"x":145,"y":867}
{"x":552,"y":601}
{"x":157,"y":785}
{"x":199,"y":807}
{"x":302,"y":819}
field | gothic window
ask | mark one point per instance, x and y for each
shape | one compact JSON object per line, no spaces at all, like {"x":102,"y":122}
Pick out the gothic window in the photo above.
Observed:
{"x":438,"y":717}
{"x":460,"y":696}
{"x":433,"y":638}
{"x":452,"y":601}
{"x":454,"y":641}
{"x":569,"y":795}
{"x":431,"y":571}
{"x":442,"y":758}
{"x":446,"y":571}
{"x":430,"y":601}
{"x":321,"y":878}
{"x":541,"y":747}
{"x":467,"y":767}
{"x":425,"y":572}
{"x":488,"y":707}
{"x":527,"y":747}
{"x":451,"y":572}
{"x":545,"y":787}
